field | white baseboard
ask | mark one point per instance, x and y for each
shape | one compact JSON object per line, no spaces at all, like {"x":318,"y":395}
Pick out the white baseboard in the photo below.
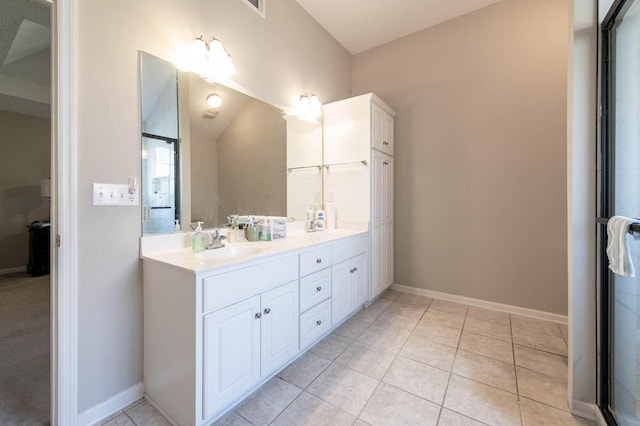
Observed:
{"x":13,"y":270}
{"x":585,"y":410}
{"x":112,"y":405}
{"x":547,"y":316}
{"x":600,"y":421}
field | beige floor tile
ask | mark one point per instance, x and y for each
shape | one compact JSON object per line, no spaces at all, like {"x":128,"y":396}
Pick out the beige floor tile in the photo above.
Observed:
{"x":120,"y":420}
{"x":488,"y":315}
{"x":542,"y":388}
{"x":384,"y":338}
{"x":536,"y":414}
{"x":446,"y":306}
{"x":426,"y":351}
{"x":352,"y":328}
{"x":304,"y":370}
{"x":486,"y":370}
{"x":439,"y":333}
{"x":145,"y":414}
{"x":488,"y":328}
{"x":543,"y":362}
{"x":265,"y":404}
{"x":482,"y":402}
{"x":391,"y":294}
{"x":344,"y":388}
{"x":380,"y":304}
{"x":415,"y":299}
{"x":231,"y":419}
{"x":419,"y":379}
{"x":366,"y":359}
{"x":446,"y":319}
{"x":451,"y":418}
{"x":487,"y":346}
{"x":368,"y":315}
{"x":535,"y":324}
{"x":395,"y":322}
{"x":543,"y":342}
{"x":331,"y":346}
{"x":390,"y":406}
{"x":564,"y":330}
{"x":406,"y":309}
{"x":308,"y":410}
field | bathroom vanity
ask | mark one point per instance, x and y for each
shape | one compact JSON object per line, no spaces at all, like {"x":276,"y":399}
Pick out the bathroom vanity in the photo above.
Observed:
{"x":219,"y":324}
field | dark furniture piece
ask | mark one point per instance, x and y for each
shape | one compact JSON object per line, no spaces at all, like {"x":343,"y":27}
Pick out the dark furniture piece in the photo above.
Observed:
{"x":39,"y":238}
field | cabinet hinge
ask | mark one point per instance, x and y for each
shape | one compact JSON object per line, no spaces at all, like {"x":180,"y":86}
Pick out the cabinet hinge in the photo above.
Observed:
{"x":58,"y":240}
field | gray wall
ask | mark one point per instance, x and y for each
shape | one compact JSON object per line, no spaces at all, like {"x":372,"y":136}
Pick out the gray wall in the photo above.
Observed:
{"x":272,"y":65}
{"x":25,"y":159}
{"x":480,"y":179}
{"x":252,"y":163}
{"x":205,"y":198}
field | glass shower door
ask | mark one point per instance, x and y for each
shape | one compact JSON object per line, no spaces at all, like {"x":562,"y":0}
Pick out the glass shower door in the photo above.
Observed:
{"x":160,"y":189}
{"x":620,"y":195}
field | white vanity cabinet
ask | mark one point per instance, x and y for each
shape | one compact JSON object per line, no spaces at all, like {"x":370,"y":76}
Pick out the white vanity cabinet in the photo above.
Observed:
{"x":358,"y":155}
{"x":212,"y":336}
{"x":247,"y":341}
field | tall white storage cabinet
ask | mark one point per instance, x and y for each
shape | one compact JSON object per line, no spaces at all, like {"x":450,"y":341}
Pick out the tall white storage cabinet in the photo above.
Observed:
{"x":358,"y":158}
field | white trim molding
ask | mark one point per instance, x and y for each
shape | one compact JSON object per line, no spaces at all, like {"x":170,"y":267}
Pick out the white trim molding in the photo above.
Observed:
{"x":64,"y":276}
{"x":111,"y":406}
{"x":547,"y":316}
{"x":8,"y":271}
{"x":585,"y":410}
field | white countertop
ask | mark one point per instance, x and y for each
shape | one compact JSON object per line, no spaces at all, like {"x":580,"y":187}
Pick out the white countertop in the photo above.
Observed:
{"x":185,"y":259}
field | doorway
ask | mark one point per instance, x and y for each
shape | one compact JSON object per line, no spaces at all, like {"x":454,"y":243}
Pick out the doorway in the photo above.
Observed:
{"x":619,"y":336}
{"x":25,"y":211}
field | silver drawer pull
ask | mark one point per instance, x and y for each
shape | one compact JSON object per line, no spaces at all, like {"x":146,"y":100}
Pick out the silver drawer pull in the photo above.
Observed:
{"x":258,"y":315}
{"x":319,"y":322}
{"x":318,"y":261}
{"x":267,"y":311}
{"x":385,"y":143}
{"x":318,"y":289}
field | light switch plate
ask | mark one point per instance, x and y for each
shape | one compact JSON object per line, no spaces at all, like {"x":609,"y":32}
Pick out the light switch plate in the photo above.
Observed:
{"x":111,"y":194}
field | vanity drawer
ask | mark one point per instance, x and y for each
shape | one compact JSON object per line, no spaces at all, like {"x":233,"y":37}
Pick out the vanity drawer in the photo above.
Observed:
{"x":314,"y":323}
{"x":314,"y":289}
{"x":313,"y":261}
{"x":225,"y":289}
{"x":350,"y":248}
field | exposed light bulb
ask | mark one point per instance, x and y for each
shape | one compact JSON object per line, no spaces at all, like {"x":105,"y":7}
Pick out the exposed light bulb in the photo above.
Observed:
{"x":214,"y":101}
{"x":309,"y":107}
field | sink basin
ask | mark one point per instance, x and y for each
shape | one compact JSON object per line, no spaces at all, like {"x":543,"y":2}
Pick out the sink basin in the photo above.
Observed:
{"x":230,"y":252}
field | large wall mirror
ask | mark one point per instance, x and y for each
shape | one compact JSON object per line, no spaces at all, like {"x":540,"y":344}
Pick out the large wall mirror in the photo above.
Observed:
{"x":209,"y":151}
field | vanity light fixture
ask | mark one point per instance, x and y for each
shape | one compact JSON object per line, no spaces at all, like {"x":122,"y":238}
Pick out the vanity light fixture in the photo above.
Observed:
{"x":309,"y":107}
{"x":214,"y":101}
{"x":208,"y":58}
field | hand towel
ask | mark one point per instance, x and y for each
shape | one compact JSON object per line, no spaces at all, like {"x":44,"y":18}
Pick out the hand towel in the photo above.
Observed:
{"x":618,"y":246}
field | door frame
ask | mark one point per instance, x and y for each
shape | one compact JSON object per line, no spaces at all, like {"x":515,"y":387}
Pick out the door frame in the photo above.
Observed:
{"x":64,"y":212}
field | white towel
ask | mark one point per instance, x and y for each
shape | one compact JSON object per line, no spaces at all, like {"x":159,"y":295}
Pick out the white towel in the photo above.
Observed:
{"x":618,"y":246}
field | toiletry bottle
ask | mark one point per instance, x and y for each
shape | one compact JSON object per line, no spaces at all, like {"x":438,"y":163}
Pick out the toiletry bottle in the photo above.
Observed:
{"x":310,"y":215}
{"x":197,"y":240}
{"x":176,"y":228}
{"x":320,"y":219}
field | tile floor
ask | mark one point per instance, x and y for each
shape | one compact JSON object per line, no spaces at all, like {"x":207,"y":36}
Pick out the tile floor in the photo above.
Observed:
{"x":412,"y":360}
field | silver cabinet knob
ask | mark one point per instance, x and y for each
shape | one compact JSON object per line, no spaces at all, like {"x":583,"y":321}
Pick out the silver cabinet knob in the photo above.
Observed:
{"x":351,"y":271}
{"x":355,"y":269}
{"x":267,"y":311}
{"x":318,"y":322}
{"x":385,"y":143}
{"x":318,"y":261}
{"x":319,"y":289}
{"x":258,"y":315}
{"x":386,"y":163}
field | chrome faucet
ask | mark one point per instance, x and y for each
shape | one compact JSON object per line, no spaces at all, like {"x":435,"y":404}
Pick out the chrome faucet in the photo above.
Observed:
{"x":216,"y":241}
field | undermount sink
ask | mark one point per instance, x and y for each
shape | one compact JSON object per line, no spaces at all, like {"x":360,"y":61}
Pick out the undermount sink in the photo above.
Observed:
{"x":230,"y":252}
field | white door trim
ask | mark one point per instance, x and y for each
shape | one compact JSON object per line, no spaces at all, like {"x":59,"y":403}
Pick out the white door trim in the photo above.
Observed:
{"x":64,"y":276}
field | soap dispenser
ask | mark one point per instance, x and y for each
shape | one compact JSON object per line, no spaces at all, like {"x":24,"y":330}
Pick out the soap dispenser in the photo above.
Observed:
{"x":198,"y":239}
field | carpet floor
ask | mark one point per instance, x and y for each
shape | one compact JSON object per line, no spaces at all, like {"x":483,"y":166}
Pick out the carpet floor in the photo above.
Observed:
{"x":25,"y":394}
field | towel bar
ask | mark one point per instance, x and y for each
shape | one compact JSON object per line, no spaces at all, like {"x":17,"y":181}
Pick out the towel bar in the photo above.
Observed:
{"x":635,"y":227}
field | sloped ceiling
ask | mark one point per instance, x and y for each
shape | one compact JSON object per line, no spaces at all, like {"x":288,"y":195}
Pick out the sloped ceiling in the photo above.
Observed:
{"x":25,"y":57}
{"x":361,"y":25}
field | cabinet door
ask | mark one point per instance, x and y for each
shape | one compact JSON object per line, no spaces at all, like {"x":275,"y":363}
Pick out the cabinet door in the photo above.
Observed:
{"x":359,"y":288}
{"x":387,"y":188}
{"x":377,"y":127}
{"x":279,"y":326}
{"x":377,"y":187}
{"x":377,"y":260}
{"x":388,"y":255}
{"x":387,"y":140}
{"x":231,"y":354}
{"x":341,"y":291}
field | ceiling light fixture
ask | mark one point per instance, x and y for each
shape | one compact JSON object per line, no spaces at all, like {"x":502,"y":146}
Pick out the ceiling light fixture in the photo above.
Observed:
{"x":209,"y":59}
{"x":214,"y":101}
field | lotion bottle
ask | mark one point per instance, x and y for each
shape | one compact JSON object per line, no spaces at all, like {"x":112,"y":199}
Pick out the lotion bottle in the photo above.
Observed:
{"x":320,"y":219}
{"x":198,"y":239}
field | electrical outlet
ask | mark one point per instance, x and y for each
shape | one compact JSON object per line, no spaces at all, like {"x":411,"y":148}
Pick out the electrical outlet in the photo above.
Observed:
{"x":109,"y":194}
